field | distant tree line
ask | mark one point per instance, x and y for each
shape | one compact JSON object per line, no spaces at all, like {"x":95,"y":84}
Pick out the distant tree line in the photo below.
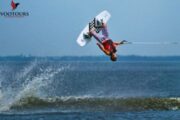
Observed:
{"x":89,"y":58}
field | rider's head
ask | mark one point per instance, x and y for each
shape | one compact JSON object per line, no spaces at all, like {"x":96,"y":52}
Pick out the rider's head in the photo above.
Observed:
{"x":113,"y":57}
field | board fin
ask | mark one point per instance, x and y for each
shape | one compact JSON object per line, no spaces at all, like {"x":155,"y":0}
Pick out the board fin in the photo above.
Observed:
{"x":87,"y":36}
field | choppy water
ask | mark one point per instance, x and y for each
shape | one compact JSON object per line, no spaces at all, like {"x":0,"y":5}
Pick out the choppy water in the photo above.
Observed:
{"x":89,"y":90}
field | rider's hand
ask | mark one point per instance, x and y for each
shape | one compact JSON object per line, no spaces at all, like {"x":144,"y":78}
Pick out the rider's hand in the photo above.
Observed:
{"x":124,"y":41}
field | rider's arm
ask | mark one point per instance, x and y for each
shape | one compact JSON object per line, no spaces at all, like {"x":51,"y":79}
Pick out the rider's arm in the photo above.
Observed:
{"x":120,"y":43}
{"x":117,"y":43}
{"x":102,"y":48}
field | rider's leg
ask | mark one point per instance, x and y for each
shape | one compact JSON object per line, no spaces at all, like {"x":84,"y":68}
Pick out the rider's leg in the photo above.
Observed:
{"x":98,"y":37}
{"x":105,"y":31}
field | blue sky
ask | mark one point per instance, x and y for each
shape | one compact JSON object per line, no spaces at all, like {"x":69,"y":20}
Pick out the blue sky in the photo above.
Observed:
{"x":54,"y":25}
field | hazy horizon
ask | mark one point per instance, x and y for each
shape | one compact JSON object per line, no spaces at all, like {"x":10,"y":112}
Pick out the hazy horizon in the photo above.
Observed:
{"x":21,"y":55}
